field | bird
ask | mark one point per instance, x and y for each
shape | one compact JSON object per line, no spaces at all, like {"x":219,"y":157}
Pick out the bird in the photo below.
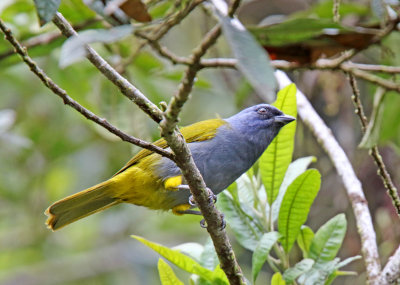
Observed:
{"x":222,"y":149}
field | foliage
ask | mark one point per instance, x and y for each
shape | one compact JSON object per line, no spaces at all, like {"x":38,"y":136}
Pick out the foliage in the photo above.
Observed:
{"x":248,"y":214}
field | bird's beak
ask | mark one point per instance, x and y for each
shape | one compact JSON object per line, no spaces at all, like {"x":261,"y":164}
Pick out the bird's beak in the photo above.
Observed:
{"x":284,"y":119}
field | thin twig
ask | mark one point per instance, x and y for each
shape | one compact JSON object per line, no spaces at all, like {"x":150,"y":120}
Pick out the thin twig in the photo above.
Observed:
{"x":387,"y":84}
{"x":374,"y":151}
{"x":373,"y":67}
{"x":19,"y":49}
{"x":126,"y":88}
{"x":351,"y":183}
{"x":336,"y":14}
{"x":156,"y":33}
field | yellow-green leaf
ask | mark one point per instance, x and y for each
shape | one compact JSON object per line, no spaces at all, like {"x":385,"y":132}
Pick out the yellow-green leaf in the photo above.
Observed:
{"x":276,"y":159}
{"x":183,"y":261}
{"x":296,"y":205}
{"x":304,"y":239}
{"x":277,"y":279}
{"x":167,"y":275}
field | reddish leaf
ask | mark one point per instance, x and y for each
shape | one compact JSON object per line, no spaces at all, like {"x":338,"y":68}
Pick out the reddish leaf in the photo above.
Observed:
{"x":136,"y":10}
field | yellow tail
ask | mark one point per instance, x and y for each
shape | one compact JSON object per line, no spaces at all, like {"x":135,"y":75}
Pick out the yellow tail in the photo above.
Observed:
{"x":80,"y":205}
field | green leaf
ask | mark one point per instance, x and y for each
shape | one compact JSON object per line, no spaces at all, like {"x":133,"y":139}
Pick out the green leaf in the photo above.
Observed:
{"x":192,"y":249}
{"x":182,"y":261}
{"x":319,"y":273}
{"x":324,"y":9}
{"x":208,"y":257}
{"x":253,"y":60}
{"x":46,"y":9}
{"x":348,"y":260}
{"x":373,"y":130}
{"x":220,"y":275}
{"x":246,"y":226}
{"x":295,"y":31}
{"x":304,"y":239}
{"x":167,"y":275}
{"x":296,"y":168}
{"x":245,"y":189}
{"x":292,"y":273}
{"x":337,"y":273}
{"x":328,"y":239}
{"x":74,"y":49}
{"x":275,"y":160}
{"x":296,"y":205}
{"x":261,"y":252}
{"x":277,"y":279}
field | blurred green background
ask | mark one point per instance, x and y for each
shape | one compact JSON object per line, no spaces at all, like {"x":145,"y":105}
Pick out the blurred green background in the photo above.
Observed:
{"x":48,"y":151}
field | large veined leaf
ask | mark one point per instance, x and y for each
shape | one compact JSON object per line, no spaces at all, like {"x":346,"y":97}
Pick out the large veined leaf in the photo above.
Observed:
{"x":296,"y":205}
{"x":246,"y":227}
{"x":328,"y":239}
{"x":252,"y":59}
{"x":292,"y":273}
{"x":276,"y":159}
{"x":261,"y":252}
{"x":167,"y":275}
{"x":295,"y":168}
{"x":319,"y":273}
{"x":184,"y":262}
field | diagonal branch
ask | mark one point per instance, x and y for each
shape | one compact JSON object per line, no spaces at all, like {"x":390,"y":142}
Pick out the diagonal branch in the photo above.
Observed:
{"x":374,"y":151}
{"x":184,"y":160}
{"x":391,"y":273}
{"x":351,"y":183}
{"x":19,"y":49}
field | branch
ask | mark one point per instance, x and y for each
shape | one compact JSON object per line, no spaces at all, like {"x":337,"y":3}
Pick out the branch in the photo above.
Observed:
{"x":19,"y":49}
{"x":374,"y":152}
{"x":391,"y":273}
{"x":351,"y":183}
{"x":387,"y":84}
{"x":372,"y":67}
{"x":184,"y":160}
{"x":124,"y":85}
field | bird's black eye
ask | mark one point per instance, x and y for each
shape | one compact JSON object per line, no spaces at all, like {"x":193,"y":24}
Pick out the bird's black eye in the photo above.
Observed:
{"x":262,"y":111}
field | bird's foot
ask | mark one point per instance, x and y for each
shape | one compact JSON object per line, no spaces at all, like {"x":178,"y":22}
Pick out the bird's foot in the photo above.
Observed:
{"x":212,"y":198}
{"x":203,"y":223}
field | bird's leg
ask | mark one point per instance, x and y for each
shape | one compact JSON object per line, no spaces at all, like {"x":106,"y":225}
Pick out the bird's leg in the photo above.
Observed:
{"x":203,"y":223}
{"x":212,"y":198}
{"x":175,"y":183}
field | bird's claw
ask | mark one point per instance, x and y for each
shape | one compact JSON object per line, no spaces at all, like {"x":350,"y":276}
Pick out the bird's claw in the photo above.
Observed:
{"x":191,"y":201}
{"x":203,"y":223}
{"x":212,"y":198}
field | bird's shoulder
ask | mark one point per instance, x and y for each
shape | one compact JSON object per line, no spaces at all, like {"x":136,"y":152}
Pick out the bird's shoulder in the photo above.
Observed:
{"x":200,"y":131}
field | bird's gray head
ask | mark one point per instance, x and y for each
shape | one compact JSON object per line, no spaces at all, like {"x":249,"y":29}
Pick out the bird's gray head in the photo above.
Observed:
{"x":260,"y":123}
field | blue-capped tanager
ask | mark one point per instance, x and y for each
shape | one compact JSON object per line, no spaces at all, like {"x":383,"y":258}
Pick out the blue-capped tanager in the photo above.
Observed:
{"x":222,"y":149}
